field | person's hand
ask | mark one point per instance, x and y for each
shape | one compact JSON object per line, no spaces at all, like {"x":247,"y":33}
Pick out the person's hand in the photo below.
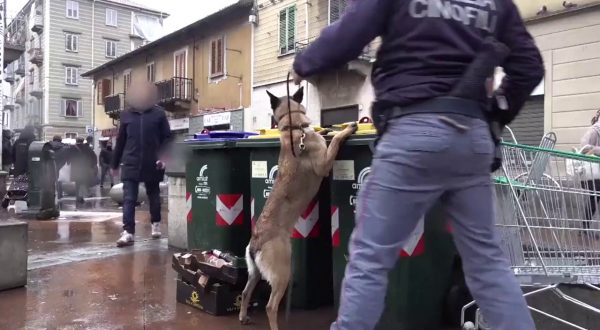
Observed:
{"x":160,"y":165}
{"x":296,"y":78}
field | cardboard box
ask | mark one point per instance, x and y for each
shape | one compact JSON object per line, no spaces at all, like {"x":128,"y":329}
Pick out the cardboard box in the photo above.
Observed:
{"x":216,"y":299}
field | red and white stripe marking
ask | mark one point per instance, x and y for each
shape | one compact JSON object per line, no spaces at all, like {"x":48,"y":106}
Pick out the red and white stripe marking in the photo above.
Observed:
{"x":415,"y":245}
{"x":307,"y":225}
{"x":335,"y":226}
{"x":188,"y":206}
{"x":230,"y":210}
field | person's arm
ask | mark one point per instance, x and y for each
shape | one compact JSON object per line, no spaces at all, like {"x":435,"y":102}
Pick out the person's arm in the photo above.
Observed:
{"x":591,"y":142}
{"x":524,"y":66}
{"x":121,"y":139}
{"x":164,"y":135}
{"x":344,"y":40}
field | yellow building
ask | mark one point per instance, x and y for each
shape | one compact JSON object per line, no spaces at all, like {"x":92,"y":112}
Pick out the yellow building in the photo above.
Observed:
{"x":203,"y":74}
{"x":568,"y":35}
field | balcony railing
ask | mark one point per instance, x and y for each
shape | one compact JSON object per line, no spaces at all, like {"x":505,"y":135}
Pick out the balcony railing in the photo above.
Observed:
{"x":15,"y":38}
{"x":9,"y":105}
{"x":114,"y":104}
{"x":366,"y":55}
{"x":36,"y":56}
{"x":175,"y":89}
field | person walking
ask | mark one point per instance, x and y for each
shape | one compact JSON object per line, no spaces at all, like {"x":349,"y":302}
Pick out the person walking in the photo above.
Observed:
{"x":7,"y":156}
{"x":143,"y":136}
{"x":106,"y":156}
{"x":60,"y":159}
{"x":590,"y":143}
{"x":432,"y":147}
{"x":83,"y":169}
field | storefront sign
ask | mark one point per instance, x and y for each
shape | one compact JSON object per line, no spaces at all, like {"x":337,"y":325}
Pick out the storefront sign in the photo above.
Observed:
{"x":217,"y":119}
{"x":179,"y":124}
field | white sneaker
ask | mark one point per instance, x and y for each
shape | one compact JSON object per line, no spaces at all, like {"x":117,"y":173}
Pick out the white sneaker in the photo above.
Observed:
{"x":125,"y":240}
{"x":156,"y":234}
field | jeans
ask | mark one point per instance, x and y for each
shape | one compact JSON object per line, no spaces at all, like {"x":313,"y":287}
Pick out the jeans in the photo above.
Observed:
{"x":104,"y":171}
{"x":130,"y":195}
{"x":419,"y":161}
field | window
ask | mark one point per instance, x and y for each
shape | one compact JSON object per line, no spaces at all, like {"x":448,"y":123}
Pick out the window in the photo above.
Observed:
{"x":31,"y":77}
{"x":72,"y":9}
{"x":150,"y":72}
{"x":72,"y":108}
{"x":104,"y":90}
{"x":111,"y":48}
{"x":126,"y":80}
{"x":71,"y":42}
{"x":71,"y":136}
{"x":287,"y":30}
{"x":217,"y":57}
{"x":336,"y":9}
{"x":111,"y":17}
{"x":71,"y":75}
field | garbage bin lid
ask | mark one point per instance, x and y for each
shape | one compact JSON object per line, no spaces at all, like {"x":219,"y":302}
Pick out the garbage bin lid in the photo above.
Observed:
{"x":230,"y":135}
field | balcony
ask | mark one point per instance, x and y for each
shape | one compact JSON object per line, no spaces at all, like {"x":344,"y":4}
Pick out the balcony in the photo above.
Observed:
{"x":175,"y":94}
{"x":37,"y":92}
{"x":9,"y":105}
{"x":114,"y":104}
{"x":20,"y":98}
{"x":36,"y":56}
{"x":9,"y":77}
{"x":20,"y":67}
{"x":15,"y":39}
{"x":37,"y":25}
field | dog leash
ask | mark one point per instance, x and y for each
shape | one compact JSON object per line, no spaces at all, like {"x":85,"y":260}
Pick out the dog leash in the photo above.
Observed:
{"x":290,"y":126}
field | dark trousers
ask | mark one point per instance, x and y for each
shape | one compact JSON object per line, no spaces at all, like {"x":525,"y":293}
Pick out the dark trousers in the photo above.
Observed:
{"x":80,"y":192}
{"x":593,"y":185}
{"x":106,"y":170}
{"x":130,"y":194}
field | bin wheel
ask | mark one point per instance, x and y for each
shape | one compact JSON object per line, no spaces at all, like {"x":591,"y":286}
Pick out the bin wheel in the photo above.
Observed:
{"x":469,"y":326}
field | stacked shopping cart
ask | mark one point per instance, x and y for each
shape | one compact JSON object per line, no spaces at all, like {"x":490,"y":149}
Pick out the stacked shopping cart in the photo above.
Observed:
{"x":545,"y":216}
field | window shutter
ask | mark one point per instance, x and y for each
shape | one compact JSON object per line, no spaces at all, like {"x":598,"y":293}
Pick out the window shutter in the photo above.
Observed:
{"x":75,"y":43}
{"x":220,"y":56}
{"x":291,"y":29}
{"x":63,"y":104}
{"x":79,"y":109}
{"x":282,"y":31}
{"x":213,"y":57}
{"x":100,"y":92}
{"x":336,"y":9}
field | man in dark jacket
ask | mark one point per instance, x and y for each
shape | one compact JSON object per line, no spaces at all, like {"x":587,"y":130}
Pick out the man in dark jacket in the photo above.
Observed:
{"x":143,"y":135}
{"x":434,"y":147}
{"x":84,"y":170}
{"x":7,"y":157}
{"x":106,"y":156}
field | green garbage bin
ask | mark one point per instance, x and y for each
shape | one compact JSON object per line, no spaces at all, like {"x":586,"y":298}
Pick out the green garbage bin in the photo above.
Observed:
{"x":423,"y":274}
{"x":218,"y":195}
{"x":311,"y":239}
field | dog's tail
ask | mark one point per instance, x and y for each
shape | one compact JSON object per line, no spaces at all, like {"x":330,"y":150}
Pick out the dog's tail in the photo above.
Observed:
{"x":288,"y":301}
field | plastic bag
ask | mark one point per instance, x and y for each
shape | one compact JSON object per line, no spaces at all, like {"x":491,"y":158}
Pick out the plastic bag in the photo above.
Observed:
{"x":64,"y":175}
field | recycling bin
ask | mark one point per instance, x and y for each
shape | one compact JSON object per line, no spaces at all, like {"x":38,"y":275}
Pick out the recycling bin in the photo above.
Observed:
{"x":311,"y":241}
{"x":423,"y":274}
{"x":218,"y":193}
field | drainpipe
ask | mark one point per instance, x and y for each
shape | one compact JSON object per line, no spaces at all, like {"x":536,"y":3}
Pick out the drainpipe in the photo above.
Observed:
{"x":93,"y":65}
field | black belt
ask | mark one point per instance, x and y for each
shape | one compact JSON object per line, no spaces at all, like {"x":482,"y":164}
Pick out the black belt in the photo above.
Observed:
{"x":445,"y":105}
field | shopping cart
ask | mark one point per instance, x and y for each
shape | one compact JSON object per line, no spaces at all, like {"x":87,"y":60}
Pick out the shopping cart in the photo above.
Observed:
{"x":546,"y":223}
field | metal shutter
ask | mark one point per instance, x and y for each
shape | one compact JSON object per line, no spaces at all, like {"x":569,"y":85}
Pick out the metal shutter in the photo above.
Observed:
{"x":529,"y":125}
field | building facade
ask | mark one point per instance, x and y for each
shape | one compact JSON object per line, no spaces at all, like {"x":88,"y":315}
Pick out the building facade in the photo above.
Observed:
{"x":62,"y":39}
{"x":568,"y":35}
{"x":202,"y":71}
{"x":283,"y":28}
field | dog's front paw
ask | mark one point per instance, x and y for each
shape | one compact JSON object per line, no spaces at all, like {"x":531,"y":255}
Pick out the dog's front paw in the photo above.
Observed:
{"x":353,"y":127}
{"x":245,"y":320}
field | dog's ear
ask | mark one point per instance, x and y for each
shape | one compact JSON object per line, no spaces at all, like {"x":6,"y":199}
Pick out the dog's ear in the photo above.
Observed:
{"x":275,"y":101}
{"x":299,"y":95}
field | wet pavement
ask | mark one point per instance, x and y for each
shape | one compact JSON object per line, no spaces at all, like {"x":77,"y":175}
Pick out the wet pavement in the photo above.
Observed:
{"x":78,"y":279}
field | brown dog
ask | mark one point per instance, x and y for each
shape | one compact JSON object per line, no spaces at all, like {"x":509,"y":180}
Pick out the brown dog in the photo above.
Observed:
{"x":299,"y":177}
